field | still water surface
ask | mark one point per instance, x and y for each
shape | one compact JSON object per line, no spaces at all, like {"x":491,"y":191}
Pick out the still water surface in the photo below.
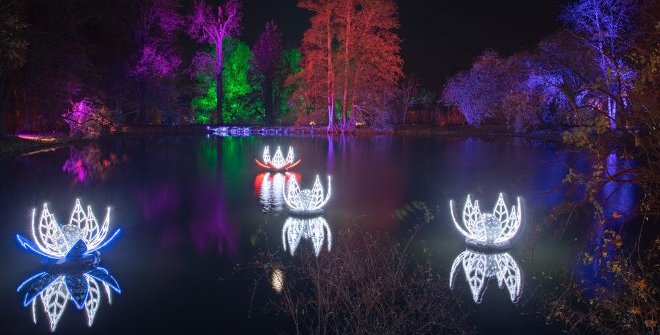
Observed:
{"x":193,"y":207}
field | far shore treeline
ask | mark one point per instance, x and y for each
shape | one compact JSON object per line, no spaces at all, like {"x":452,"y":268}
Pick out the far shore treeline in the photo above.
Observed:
{"x":90,"y":68}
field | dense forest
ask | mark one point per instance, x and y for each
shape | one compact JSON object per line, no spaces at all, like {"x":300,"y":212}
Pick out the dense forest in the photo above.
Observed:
{"x":95,"y":67}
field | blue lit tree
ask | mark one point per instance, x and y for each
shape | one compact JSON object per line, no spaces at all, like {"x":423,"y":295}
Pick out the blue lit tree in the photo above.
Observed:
{"x":607,"y":27}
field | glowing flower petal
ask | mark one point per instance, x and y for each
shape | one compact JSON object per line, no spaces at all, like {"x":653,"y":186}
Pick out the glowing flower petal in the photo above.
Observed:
{"x":55,"y":291}
{"x":278,"y":162}
{"x":307,"y":200}
{"x":58,"y":242}
{"x":315,"y":229}
{"x":480,"y":267}
{"x":485,"y":229}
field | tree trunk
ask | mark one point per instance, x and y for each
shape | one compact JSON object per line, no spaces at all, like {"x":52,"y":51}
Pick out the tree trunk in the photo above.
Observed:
{"x":268,"y":101}
{"x":344,"y":121}
{"x":331,"y":83}
{"x":219,"y":94}
{"x":4,"y":104}
{"x":142,"y":109}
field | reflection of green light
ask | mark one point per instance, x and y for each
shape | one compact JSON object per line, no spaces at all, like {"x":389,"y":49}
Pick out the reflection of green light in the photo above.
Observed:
{"x":236,"y":156}
{"x":209,"y":155}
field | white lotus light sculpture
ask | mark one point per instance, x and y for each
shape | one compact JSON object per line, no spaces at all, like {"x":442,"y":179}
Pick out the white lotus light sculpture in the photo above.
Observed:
{"x":79,"y":239}
{"x":56,"y":290}
{"x":489,"y":230}
{"x":306,"y":201}
{"x":314,"y":229}
{"x":480,"y":267}
{"x":278,"y":162}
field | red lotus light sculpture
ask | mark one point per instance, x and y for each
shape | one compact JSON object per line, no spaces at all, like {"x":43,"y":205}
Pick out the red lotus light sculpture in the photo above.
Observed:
{"x":278,"y":162}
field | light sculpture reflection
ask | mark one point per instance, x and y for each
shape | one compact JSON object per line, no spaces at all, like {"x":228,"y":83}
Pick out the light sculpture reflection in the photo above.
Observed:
{"x":270,"y":187}
{"x":314,"y":229}
{"x":80,"y":238}
{"x":55,"y":290}
{"x":307,"y":201}
{"x":490,"y":230}
{"x":277,"y":162}
{"x":480,"y":267}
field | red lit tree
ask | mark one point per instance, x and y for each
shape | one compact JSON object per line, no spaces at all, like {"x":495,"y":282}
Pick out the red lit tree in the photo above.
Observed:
{"x":351,"y":49}
{"x":267,"y":52}
{"x":317,"y":69}
{"x":212,"y":28}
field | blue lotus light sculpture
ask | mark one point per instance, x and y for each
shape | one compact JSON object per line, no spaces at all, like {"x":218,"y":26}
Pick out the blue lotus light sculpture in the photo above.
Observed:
{"x":55,"y":290}
{"x":78,"y":240}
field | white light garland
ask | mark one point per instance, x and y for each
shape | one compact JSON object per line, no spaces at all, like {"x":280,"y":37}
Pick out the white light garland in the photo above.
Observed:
{"x":55,"y":291}
{"x":306,"y":201}
{"x":58,"y":241}
{"x":314,"y":229}
{"x":480,"y":267}
{"x":277,"y":162}
{"x":489,"y":230}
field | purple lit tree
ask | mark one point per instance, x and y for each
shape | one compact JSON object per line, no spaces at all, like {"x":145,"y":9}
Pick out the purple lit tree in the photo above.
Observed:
{"x":212,"y":28}
{"x":88,"y":118}
{"x":607,"y":26}
{"x":154,"y":29}
{"x":267,"y":52}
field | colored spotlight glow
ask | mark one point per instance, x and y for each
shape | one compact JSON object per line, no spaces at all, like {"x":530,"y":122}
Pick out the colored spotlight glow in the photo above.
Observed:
{"x":489,"y":230}
{"x":82,"y":236}
{"x":480,"y":267}
{"x":306,"y":201}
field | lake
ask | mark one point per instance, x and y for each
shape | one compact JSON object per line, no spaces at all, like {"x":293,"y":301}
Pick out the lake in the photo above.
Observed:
{"x":193,"y":207}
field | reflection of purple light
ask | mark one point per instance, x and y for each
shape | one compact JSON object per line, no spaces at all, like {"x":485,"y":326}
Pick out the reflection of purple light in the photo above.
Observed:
{"x":75,"y":165}
{"x":160,"y":203}
{"x":209,"y":227}
{"x":618,"y":199}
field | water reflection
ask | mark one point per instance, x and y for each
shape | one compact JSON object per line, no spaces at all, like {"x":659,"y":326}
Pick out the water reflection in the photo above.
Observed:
{"x":55,"y":290}
{"x":314,"y":229}
{"x":270,"y":189}
{"x":89,"y":163}
{"x":480,"y":267}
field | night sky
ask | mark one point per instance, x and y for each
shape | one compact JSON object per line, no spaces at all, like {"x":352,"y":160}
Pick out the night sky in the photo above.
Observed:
{"x":439,"y":37}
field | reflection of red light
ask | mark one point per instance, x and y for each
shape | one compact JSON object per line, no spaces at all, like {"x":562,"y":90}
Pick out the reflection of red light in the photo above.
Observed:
{"x":257,"y":183}
{"x":259,"y":179}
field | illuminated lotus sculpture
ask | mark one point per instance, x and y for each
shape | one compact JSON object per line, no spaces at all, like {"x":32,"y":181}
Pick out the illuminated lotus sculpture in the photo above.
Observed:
{"x":306,"y":201}
{"x":79,"y":239}
{"x":480,"y":267}
{"x":55,"y":291}
{"x":278,"y":162}
{"x":314,"y":229}
{"x":490,"y":230}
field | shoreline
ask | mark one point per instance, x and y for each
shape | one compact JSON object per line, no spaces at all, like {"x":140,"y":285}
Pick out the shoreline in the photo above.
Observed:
{"x":12,"y":146}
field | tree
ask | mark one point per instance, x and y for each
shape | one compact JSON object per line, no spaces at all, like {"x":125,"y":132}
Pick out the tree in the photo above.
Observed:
{"x":318,"y":71}
{"x":13,"y":46}
{"x":240,"y":99}
{"x":351,"y":46}
{"x":154,"y":28}
{"x":207,"y":27}
{"x":267,"y":52}
{"x":607,"y":27}
{"x":372,"y":62}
